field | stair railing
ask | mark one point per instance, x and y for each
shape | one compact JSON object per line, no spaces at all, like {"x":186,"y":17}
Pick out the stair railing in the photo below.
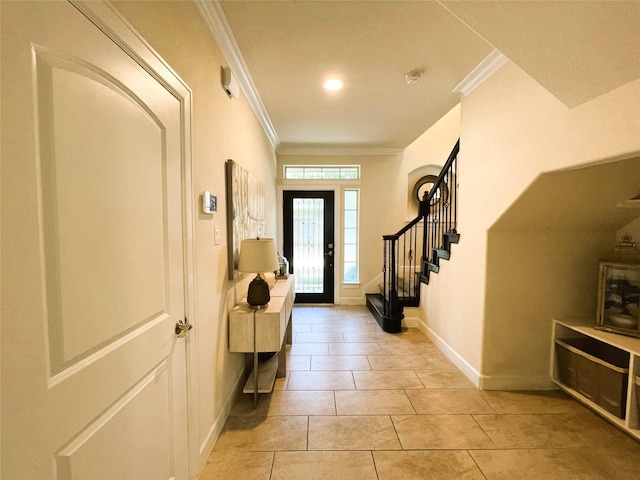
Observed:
{"x":402,"y":271}
{"x":439,"y":208}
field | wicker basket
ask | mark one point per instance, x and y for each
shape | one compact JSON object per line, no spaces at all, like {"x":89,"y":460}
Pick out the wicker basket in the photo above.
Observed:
{"x":598,"y":371}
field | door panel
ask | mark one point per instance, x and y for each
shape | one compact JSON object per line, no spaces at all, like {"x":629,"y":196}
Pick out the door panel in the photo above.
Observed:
{"x":114,"y":207}
{"x":309,"y":243}
{"x":137,"y":411}
{"x":93,"y":376}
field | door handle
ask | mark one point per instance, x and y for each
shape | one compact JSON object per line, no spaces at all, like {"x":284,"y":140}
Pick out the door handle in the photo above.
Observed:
{"x":330,"y":252}
{"x":182,"y":327}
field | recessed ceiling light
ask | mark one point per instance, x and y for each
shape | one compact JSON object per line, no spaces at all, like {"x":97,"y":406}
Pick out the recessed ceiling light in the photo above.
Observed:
{"x":333,"y":84}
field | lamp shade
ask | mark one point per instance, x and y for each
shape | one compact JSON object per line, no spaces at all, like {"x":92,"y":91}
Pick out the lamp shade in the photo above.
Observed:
{"x":258,"y":255}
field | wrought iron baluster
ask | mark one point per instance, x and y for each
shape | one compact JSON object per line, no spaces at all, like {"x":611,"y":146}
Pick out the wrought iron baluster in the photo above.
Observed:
{"x":439,"y":216}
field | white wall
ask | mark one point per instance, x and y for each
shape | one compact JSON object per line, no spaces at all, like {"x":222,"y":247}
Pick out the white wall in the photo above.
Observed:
{"x":222,"y":128}
{"x":511,"y":131}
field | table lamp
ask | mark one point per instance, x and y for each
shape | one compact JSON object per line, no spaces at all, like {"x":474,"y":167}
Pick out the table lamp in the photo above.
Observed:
{"x":258,"y":255}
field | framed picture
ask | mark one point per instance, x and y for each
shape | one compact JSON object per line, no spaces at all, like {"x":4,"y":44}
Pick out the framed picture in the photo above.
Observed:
{"x":618,"y":298}
{"x":245,"y":210}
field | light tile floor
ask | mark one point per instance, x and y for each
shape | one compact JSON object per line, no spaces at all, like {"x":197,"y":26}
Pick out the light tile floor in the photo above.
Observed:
{"x":360,"y":404}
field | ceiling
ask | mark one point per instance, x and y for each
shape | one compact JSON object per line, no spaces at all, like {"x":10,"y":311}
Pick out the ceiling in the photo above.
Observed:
{"x":282,"y":51}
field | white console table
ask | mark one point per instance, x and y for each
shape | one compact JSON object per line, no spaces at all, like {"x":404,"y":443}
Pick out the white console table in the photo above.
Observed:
{"x":267,"y":329}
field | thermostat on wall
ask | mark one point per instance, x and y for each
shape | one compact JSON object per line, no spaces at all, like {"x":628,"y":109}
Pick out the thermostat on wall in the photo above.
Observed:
{"x":209,"y":203}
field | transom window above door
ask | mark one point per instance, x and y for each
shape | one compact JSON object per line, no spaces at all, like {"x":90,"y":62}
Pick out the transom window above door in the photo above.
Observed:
{"x":322,"y":172}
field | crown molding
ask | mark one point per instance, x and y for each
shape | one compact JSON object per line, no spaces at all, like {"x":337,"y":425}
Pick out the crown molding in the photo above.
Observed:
{"x":481,"y":72}
{"x":216,"y":21}
{"x":339,"y":151}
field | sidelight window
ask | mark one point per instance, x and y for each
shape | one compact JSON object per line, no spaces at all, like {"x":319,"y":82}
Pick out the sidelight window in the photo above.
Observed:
{"x":350,"y":256}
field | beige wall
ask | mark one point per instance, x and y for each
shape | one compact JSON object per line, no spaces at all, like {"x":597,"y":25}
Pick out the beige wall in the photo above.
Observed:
{"x":531,"y":278}
{"x":512,"y":130}
{"x":384,"y":195}
{"x":431,"y":149}
{"x":379,"y":177}
{"x":222,"y":128}
{"x":490,"y":316}
{"x":632,"y":229}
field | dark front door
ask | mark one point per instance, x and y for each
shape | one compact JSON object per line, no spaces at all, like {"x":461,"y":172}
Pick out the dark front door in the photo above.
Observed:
{"x":309,"y":243}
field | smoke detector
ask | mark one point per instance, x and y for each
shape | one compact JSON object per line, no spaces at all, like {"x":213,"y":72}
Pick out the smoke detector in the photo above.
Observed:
{"x":413,"y":77}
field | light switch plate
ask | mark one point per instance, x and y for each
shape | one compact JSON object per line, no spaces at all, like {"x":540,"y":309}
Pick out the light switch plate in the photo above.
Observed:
{"x":216,"y":236}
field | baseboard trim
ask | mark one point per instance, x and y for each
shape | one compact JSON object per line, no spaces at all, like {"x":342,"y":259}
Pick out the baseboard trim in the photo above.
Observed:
{"x":411,"y":317}
{"x":410,"y":322}
{"x":517,"y":382}
{"x":216,"y":428}
{"x":351,"y":301}
{"x":471,"y":373}
{"x":488,"y":382}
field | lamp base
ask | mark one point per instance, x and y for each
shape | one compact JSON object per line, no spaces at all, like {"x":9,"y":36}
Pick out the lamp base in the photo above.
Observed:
{"x":258,"y":294}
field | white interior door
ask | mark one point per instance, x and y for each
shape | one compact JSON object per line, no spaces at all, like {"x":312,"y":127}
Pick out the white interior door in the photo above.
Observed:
{"x":93,"y":374}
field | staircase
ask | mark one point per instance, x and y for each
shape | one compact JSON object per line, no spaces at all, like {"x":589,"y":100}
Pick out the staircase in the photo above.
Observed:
{"x":413,"y":254}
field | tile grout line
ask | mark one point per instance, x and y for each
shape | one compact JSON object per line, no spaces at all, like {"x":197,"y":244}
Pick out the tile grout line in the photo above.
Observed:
{"x":415,"y":412}
{"x":375,"y":467}
{"x":382,"y":460}
{"x":395,"y":429}
{"x":476,"y":463}
{"x":273,"y":462}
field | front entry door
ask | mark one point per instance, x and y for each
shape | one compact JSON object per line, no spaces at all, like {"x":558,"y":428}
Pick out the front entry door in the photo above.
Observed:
{"x":309,"y":243}
{"x":93,"y":373}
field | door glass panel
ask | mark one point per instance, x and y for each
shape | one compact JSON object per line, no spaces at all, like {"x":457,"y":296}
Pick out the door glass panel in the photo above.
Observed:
{"x":308,"y":244}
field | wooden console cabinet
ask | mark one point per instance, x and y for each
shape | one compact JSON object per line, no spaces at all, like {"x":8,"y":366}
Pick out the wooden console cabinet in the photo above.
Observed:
{"x":589,"y":375}
{"x":264,"y":330}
